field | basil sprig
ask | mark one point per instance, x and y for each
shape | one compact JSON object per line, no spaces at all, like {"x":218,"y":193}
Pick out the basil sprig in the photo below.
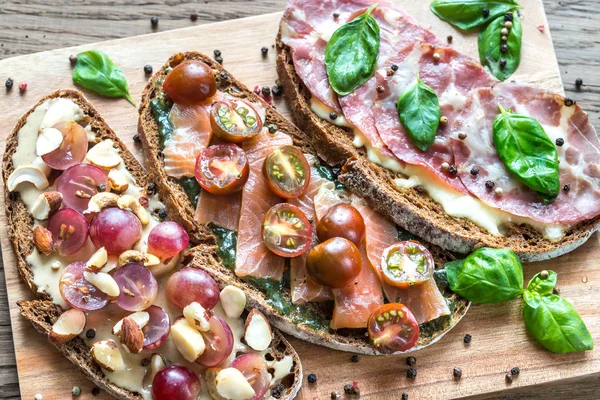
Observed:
{"x":527,"y":152}
{"x":469,"y":14}
{"x":419,"y":112}
{"x":495,"y":275}
{"x":351,"y":53}
{"x":499,"y":63}
{"x":95,"y":71}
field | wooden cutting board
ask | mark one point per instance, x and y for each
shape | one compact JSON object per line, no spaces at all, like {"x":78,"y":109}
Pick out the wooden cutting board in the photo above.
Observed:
{"x":500,"y":340}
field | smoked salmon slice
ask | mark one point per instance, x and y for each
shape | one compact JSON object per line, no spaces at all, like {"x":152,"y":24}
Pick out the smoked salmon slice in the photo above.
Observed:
{"x":253,"y":258}
{"x":221,"y":210}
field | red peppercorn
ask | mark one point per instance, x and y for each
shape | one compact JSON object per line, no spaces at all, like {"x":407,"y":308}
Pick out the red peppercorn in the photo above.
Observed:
{"x":23,"y":86}
{"x":144,"y":201}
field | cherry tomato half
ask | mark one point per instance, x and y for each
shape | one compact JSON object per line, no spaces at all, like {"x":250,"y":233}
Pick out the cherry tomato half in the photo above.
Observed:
{"x":222,"y":169}
{"x":191,"y":82}
{"x":408,"y":263}
{"x":334,"y":263}
{"x":235,"y":120}
{"x":286,"y":230}
{"x":287,"y":172}
{"x":342,"y":220}
{"x":392,"y":327}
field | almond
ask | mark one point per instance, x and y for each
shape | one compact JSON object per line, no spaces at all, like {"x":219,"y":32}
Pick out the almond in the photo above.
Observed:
{"x":106,"y":354}
{"x":197,"y":316}
{"x":97,"y":260}
{"x":141,"y":318}
{"x":118,"y":181}
{"x":48,"y":140}
{"x":42,"y":238}
{"x":130,"y":256}
{"x":104,"y":282}
{"x":233,"y":300}
{"x":209,"y":378}
{"x":232,"y":385}
{"x":160,"y":268}
{"x":187,"y":339}
{"x":46,"y":204}
{"x":258,"y":333}
{"x":156,"y":365}
{"x":104,"y":155}
{"x":131,"y":335}
{"x":68,"y":326}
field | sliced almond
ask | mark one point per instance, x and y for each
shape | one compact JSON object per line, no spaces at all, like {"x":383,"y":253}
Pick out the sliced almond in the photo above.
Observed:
{"x":118,"y":181}
{"x":111,"y":264}
{"x":187,"y":339}
{"x":210,"y":376}
{"x":60,"y":110}
{"x":131,"y":335}
{"x":46,"y":204}
{"x":156,"y":365}
{"x":159,"y":268}
{"x":104,"y":155}
{"x":104,"y":282}
{"x":233,"y":300}
{"x":42,"y":239}
{"x":197,"y":316}
{"x":232,"y":385}
{"x":97,"y":260}
{"x":141,"y":318}
{"x":27,"y":173}
{"x":130,"y":203}
{"x":68,"y":326}
{"x":48,"y":140}
{"x":107,"y":354}
{"x":101,"y":200}
{"x":258,"y":333}
{"x":130,"y":256}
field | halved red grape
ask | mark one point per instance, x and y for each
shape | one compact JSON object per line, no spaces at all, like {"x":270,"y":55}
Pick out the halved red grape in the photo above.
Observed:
{"x":167,"y":239}
{"x":79,"y":183}
{"x":191,"y":284}
{"x":73,"y":148}
{"x":69,"y":230}
{"x":219,"y":343}
{"x":176,"y":382}
{"x":255,"y":370}
{"x":77,"y":291}
{"x":116,"y":230}
{"x":157,"y":329}
{"x":138,"y":287}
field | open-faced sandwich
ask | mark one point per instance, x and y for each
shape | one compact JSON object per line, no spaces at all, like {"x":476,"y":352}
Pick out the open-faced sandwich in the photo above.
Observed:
{"x":276,"y":222}
{"x":118,"y":295}
{"x":431,"y":139}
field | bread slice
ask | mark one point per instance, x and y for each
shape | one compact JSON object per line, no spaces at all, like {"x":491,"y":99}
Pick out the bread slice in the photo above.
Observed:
{"x":43,"y":313}
{"x":206,"y":255}
{"x":411,"y":208}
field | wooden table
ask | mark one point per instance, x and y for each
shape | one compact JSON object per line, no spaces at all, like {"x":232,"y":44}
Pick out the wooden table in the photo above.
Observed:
{"x":32,"y":26}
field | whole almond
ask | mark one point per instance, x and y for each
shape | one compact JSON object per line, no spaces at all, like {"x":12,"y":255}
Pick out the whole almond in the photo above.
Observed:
{"x":132,"y":336}
{"x":42,"y":238}
{"x":55,"y":200}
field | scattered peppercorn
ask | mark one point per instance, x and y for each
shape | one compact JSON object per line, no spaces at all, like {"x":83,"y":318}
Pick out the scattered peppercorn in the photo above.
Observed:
{"x":217,"y":52}
{"x":578,"y":83}
{"x":499,"y":191}
{"x":194,"y":16}
{"x":151,"y":188}
{"x":420,"y":189}
{"x":411,"y":373}
{"x":462,"y":135}
{"x":567,"y":187}
{"x":348,"y":389}
{"x":503,"y":48}
{"x":453,"y":170}
{"x":312,"y":378}
{"x":23,"y":86}
{"x":485,"y":12}
{"x":38,"y":397}
{"x":91,"y":333}
{"x":277,"y":90}
{"x":556,"y":291}
{"x":332,"y":115}
{"x":96,"y":391}
{"x":508,"y":16}
{"x":560,"y":141}
{"x":272,"y":128}
{"x":9,"y":84}
{"x":502,"y":63}
{"x":404,"y":396}
{"x":504,"y":32}
{"x":264,"y":50}
{"x":335,"y":395}
{"x":143,"y":201}
{"x":355,"y":358}
{"x":73,"y":59}
{"x":147,"y":69}
{"x":266,"y":91}
{"x":504,"y":38}
{"x":390,"y":72}
{"x":162,"y":213}
{"x":154,"y":21}
{"x":101,"y":187}
{"x":76,"y":391}
{"x":436,"y":56}
{"x":457,"y":373}
{"x":508,"y":24}
{"x":449,"y":38}
{"x":223,"y":75}
{"x":276,"y":393}
{"x":444,"y":120}
{"x":544,"y":274}
{"x":474,"y":171}
{"x":336,"y":15}
{"x":445,"y":166}
{"x":394,"y":67}
{"x":219,"y":59}
{"x":509,"y":378}
{"x":468,"y":337}
{"x":489,"y":184}
{"x":411,"y":361}
{"x":145,"y":362}
{"x":379,"y":89}
{"x":515,"y":370}
{"x":569,"y":102}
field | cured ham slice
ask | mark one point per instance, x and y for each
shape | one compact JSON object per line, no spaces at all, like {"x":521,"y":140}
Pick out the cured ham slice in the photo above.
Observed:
{"x":579,"y":156}
{"x":252,"y":256}
{"x":221,"y":210}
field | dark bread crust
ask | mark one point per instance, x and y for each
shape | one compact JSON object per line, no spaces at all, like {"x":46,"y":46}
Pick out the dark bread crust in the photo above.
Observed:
{"x":410,"y":208}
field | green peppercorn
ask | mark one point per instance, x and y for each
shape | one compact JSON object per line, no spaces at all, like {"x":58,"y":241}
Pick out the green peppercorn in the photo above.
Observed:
{"x":76,"y":391}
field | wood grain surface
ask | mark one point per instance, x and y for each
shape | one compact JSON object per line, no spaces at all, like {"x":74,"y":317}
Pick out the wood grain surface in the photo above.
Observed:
{"x":32,"y":26}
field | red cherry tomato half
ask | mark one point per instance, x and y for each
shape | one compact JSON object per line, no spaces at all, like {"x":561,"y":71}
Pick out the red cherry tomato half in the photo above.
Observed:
{"x":222,"y":169}
{"x":286,"y":230}
{"x":235,"y":120}
{"x":77,"y":291}
{"x":190,"y":82}
{"x":408,"y":263}
{"x":73,"y":148}
{"x":287,"y":172}
{"x":392,"y":328}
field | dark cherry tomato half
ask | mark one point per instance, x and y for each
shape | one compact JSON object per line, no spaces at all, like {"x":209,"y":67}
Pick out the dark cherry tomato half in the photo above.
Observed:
{"x":342,"y":220}
{"x":235,"y":120}
{"x":392,"y":327}
{"x":286,"y":230}
{"x":191,"y":82}
{"x":408,"y":263}
{"x":334,"y":263}
{"x":287,"y":172}
{"x":222,"y":168}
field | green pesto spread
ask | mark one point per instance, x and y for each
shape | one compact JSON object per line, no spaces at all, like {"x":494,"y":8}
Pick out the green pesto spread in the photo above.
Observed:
{"x":191,"y":188}
{"x":326,"y":173}
{"x":161,"y":107}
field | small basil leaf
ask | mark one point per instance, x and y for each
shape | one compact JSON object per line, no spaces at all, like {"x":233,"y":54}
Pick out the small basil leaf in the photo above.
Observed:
{"x":419,"y":112}
{"x":498,"y":63}
{"x":542,"y":286}
{"x":486,"y":276}
{"x":527,"y":152}
{"x":468,"y":14}
{"x":351,"y":53}
{"x":557,"y":326}
{"x":95,"y":71}
{"x":533,"y":299}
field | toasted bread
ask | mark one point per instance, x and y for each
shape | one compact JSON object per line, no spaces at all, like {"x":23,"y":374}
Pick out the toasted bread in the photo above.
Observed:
{"x":206,"y":255}
{"x":411,"y":208}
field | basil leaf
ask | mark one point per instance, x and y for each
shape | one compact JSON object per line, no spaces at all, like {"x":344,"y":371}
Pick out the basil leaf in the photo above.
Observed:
{"x":527,"y":152}
{"x":468,"y":14}
{"x":96,"y":71}
{"x":557,"y":326}
{"x":351,"y":53}
{"x":542,"y":286}
{"x":533,"y":299}
{"x":419,"y":112}
{"x":486,"y":276}
{"x":498,"y":63}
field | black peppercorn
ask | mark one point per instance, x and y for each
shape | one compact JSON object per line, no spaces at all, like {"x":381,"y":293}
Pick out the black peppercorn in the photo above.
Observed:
{"x":394,"y":67}
{"x":502,"y":63}
{"x":223,"y":75}
{"x":335,"y":395}
{"x":457,"y":372}
{"x":151,"y":188}
{"x":468,"y":337}
{"x":277,"y":90}
{"x":515,"y":371}
{"x":379,"y":89}
{"x":312,"y":378}
{"x":194,"y":16}
{"x":489,"y":184}
{"x":73,"y":59}
{"x":567,"y":187}
{"x":264,"y":50}
{"x":560,"y":141}
{"x":276,"y":394}
{"x":452,"y":169}
{"x":411,"y":373}
{"x":147,"y":69}
{"x":272,"y":128}
{"x":336,"y":15}
{"x":508,"y":16}
{"x":332,"y":115}
{"x":145,"y":362}
{"x":162,"y":213}
{"x":569,"y":102}
{"x":90,"y":334}
{"x":219,"y":59}
{"x":266,"y":91}
{"x":449,"y":38}
{"x":9,"y":83}
{"x":503,"y":48}
{"x":96,"y":391}
{"x":474,"y":171}
{"x":509,"y":378}
{"x":411,"y":361}
{"x":404,"y":396}
{"x":578,"y":83}
{"x":485,"y":12}
{"x":154,"y":21}
{"x":101,"y":187}
{"x":355,"y":358}
{"x":217,"y":52}
{"x":348,"y":389}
